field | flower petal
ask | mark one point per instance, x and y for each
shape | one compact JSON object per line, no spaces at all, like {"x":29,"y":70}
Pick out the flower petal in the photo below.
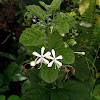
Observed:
{"x":59,"y":57}
{"x":47,"y":54}
{"x":38,"y":61}
{"x":53,"y":53}
{"x":36,"y":54}
{"x":58,"y":66}
{"x":58,"y":62}
{"x":42,"y":50}
{"x":50,"y":64}
{"x":45,"y":60}
{"x":49,"y":57}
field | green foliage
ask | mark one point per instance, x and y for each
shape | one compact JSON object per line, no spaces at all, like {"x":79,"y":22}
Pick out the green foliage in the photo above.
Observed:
{"x":54,"y":40}
{"x":2,"y":97}
{"x":25,"y":86}
{"x":67,"y":53}
{"x":77,"y":91}
{"x":96,"y":35}
{"x":96,"y":92}
{"x":59,"y":94}
{"x":64,"y":19}
{"x":13,"y":97}
{"x":33,"y":48}
{"x":4,"y":88}
{"x":81,"y":67}
{"x":48,"y":36}
{"x":52,"y":7}
{"x":55,"y":5}
{"x":11,"y":70}
{"x":76,"y":2}
{"x":56,"y":30}
{"x":37,"y":11}
{"x":36,"y":93}
{"x":30,"y":2}
{"x":49,"y":75}
{"x":1,"y":79}
{"x":90,"y":12}
{"x":7,"y":55}
{"x":61,"y":26}
{"x":33,"y":37}
{"x":47,"y":7}
{"x":34,"y":77}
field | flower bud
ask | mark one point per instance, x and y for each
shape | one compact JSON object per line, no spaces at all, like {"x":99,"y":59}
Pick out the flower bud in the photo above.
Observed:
{"x":32,"y":63}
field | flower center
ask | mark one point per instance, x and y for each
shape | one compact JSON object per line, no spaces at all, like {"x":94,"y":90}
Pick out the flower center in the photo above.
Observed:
{"x":42,"y":56}
{"x":54,"y":59}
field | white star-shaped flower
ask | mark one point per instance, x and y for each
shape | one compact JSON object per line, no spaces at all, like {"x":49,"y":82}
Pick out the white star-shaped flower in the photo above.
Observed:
{"x":54,"y":60}
{"x":40,"y":58}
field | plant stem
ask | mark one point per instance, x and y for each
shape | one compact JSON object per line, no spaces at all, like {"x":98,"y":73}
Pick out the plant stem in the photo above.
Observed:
{"x":96,"y":56}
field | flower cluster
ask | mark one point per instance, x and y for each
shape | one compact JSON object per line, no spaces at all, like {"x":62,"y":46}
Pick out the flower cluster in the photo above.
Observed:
{"x":42,"y":58}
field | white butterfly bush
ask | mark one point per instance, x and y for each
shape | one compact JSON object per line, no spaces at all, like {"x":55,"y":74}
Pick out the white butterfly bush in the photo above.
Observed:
{"x":42,"y":58}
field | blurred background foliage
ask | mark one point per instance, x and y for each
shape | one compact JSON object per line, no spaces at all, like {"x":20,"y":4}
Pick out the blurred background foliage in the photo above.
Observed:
{"x":85,"y":36}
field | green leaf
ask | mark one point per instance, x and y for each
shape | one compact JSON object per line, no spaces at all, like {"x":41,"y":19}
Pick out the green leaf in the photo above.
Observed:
{"x":55,"y":40}
{"x":77,"y":91}
{"x":4,"y":89}
{"x":49,"y":75}
{"x":37,"y":11}
{"x":2,"y":97}
{"x":97,"y":97}
{"x":59,"y":81}
{"x":25,"y":86}
{"x":14,"y":97}
{"x":8,"y":55}
{"x":81,"y":67}
{"x":47,"y":7}
{"x":96,"y":92}
{"x":83,"y":6}
{"x":98,"y":3}
{"x":55,"y":5}
{"x":59,"y":94}
{"x":31,"y":49}
{"x":59,"y":84}
{"x":61,"y":26}
{"x":76,"y":1}
{"x":65,"y":18}
{"x":36,"y":93}
{"x":96,"y":35}
{"x":33,"y":37}
{"x":67,"y":53}
{"x":11,"y":70}
{"x":91,"y":83}
{"x":33,"y":77}
{"x":20,"y":58}
{"x":1,"y":79}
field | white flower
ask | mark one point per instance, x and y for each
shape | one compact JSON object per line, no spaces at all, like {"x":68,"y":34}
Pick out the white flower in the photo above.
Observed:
{"x":54,"y":60}
{"x":51,"y":28}
{"x":81,"y":53}
{"x":41,"y":57}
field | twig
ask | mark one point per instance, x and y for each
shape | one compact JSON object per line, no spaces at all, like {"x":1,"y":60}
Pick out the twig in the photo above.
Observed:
{"x":5,"y":39}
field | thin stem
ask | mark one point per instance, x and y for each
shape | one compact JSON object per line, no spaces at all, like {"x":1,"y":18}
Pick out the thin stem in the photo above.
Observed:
{"x":96,"y":56}
{"x":92,"y":65}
